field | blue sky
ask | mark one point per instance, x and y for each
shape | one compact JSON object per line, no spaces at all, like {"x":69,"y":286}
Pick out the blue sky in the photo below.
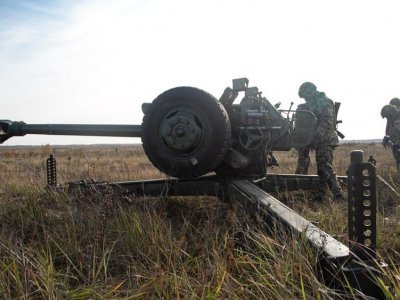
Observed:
{"x":24,"y":26}
{"x":97,"y":61}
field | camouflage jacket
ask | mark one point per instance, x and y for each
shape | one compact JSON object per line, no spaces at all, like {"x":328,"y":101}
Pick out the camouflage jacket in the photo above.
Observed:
{"x":393,"y":128}
{"x":324,"y":110}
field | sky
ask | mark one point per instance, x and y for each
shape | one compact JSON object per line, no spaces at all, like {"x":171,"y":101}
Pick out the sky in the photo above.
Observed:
{"x":96,"y":61}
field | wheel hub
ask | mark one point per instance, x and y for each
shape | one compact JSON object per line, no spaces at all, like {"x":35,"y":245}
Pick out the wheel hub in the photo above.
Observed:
{"x":180,"y":132}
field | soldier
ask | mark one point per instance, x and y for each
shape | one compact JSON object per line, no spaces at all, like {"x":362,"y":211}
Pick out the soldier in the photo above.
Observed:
{"x":325,"y":140}
{"x":396,"y":103}
{"x":392,"y":133}
{"x":303,"y":160}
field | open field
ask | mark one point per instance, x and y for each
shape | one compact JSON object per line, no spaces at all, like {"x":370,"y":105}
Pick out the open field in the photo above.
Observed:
{"x":58,"y":246}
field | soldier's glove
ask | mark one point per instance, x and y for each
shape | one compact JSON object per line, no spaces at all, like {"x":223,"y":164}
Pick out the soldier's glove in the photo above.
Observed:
{"x":385,"y":141}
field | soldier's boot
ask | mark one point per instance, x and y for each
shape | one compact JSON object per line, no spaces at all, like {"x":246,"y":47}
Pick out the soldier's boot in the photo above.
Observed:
{"x":337,"y":190}
{"x":335,"y":187}
{"x":321,"y":194}
{"x":338,"y":198}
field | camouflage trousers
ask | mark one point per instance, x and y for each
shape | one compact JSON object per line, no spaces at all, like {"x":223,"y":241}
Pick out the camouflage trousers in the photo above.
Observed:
{"x":327,"y":176}
{"x":303,"y":160}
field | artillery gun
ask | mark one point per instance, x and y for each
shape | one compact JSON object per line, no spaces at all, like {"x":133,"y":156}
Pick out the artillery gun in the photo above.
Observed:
{"x":187,"y":133}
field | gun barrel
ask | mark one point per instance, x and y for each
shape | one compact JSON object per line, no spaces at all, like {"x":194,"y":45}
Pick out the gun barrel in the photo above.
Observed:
{"x":9,"y":129}
{"x":83,"y":129}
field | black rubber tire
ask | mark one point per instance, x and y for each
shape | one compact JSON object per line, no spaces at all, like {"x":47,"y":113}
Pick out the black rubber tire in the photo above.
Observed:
{"x":215,"y":133}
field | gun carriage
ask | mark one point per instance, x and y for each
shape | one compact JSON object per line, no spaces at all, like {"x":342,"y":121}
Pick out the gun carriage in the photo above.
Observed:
{"x":188,"y":134}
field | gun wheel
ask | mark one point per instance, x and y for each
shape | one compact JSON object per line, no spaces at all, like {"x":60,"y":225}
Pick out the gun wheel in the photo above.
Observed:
{"x":186,"y":132}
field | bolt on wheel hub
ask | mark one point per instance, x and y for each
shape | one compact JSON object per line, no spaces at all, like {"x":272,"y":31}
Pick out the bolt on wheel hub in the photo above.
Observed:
{"x":181,"y":132}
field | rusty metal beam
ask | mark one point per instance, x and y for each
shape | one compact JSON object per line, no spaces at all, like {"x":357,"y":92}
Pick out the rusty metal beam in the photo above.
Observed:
{"x":204,"y":186}
{"x":336,"y":265}
{"x":251,"y":196}
{"x":201,"y":186}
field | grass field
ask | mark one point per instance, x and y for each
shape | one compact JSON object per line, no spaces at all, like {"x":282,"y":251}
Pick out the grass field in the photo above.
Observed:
{"x":92,"y":246}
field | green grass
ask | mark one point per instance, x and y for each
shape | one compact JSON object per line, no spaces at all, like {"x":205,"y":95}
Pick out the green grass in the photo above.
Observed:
{"x":104,"y":246}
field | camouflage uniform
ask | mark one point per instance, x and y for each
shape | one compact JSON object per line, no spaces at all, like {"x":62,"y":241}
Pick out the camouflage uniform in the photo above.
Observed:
{"x":303,"y":160}
{"x":392,"y":114}
{"x":325,"y":140}
{"x":391,"y":132}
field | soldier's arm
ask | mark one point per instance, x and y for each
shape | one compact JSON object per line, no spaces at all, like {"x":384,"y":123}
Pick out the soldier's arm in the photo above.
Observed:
{"x":302,"y":106}
{"x":396,"y":123}
{"x":327,"y":118}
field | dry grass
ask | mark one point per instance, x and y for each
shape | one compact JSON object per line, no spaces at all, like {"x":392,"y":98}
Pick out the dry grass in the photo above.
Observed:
{"x":55,"y":246}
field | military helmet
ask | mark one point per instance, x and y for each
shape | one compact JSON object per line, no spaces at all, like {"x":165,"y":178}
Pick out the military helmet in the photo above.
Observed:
{"x":306,"y":89}
{"x":395,"y":102}
{"x":388,"y":111}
